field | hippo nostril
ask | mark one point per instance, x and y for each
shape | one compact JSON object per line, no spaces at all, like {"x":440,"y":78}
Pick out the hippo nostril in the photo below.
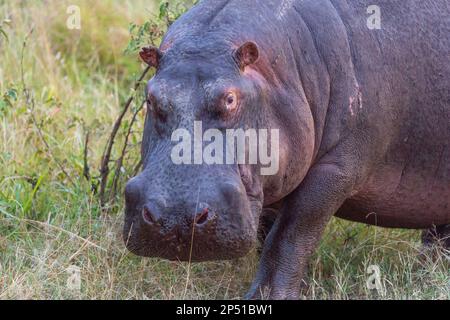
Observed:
{"x":202,"y":217}
{"x":149,"y":215}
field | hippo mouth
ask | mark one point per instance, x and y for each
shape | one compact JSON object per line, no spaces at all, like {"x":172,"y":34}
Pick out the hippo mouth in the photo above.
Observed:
{"x":209,"y":241}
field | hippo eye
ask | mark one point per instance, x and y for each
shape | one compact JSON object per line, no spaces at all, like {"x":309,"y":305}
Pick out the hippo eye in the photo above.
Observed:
{"x":152,"y":103}
{"x":231,"y":102}
{"x":154,"y":108}
{"x":150,"y":100}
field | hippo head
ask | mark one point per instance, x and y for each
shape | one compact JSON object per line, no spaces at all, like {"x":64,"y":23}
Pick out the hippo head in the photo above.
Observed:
{"x":192,"y":202}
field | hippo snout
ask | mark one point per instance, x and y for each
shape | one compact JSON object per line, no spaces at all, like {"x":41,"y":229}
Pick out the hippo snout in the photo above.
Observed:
{"x":212,"y":224}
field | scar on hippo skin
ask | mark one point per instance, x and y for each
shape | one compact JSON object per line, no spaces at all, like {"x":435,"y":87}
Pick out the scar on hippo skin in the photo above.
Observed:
{"x":247,"y":54}
{"x":356,"y":102}
{"x":151,"y":56}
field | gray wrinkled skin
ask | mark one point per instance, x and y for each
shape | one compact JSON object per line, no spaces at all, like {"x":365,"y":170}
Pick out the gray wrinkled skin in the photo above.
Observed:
{"x":364,"y":120}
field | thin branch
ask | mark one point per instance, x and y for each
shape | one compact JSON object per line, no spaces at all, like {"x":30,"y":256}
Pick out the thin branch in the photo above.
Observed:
{"x":31,"y":106}
{"x":124,"y":149}
{"x":86,"y":169}
{"x":104,"y":169}
{"x":137,"y":168}
{"x":47,"y":146}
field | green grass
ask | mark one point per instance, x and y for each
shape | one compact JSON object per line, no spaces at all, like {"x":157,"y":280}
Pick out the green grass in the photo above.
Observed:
{"x":79,"y":80}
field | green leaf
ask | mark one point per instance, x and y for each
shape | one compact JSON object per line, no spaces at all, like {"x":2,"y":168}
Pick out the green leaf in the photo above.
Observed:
{"x":29,"y":202}
{"x":132,"y":27}
{"x":12,"y":94}
{"x":3,"y":106}
{"x":3,"y":32}
{"x":163,"y":9}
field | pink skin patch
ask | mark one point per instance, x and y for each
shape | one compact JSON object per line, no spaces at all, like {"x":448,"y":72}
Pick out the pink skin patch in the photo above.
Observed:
{"x":202,"y":217}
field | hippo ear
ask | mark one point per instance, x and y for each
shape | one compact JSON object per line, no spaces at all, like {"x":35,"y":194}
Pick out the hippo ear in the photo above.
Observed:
{"x":247,"y":54}
{"x":151,"y":56}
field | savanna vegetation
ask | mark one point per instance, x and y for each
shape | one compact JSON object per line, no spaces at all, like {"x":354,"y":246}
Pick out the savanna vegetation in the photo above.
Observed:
{"x":61,"y":91}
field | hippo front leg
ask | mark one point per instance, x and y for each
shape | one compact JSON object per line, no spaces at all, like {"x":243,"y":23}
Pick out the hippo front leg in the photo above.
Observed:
{"x":298,"y":229}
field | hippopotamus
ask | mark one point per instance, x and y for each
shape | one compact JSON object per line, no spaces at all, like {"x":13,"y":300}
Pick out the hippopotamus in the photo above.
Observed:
{"x":363,"y":120}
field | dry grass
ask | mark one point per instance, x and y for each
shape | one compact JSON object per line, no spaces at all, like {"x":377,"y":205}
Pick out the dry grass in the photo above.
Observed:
{"x":48,"y":225}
